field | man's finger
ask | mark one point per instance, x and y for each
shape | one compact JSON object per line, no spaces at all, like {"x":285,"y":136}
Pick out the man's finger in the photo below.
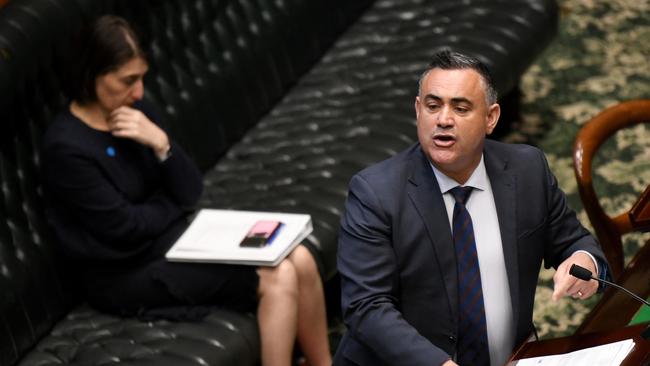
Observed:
{"x":575,"y":287}
{"x":561,"y":286}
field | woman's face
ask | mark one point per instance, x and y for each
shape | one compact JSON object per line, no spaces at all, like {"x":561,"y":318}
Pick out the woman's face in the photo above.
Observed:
{"x":123,"y":86}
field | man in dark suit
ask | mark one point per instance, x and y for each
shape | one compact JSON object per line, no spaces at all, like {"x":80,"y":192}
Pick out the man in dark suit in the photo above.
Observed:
{"x":405,"y":295}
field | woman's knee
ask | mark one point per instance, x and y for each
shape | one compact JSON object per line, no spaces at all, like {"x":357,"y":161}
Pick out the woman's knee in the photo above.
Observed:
{"x":281,"y":278}
{"x":305,"y":264}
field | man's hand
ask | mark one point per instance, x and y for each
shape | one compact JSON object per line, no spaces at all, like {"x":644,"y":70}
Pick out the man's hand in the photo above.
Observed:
{"x":567,"y":285}
{"x":130,"y":123}
{"x":449,"y":363}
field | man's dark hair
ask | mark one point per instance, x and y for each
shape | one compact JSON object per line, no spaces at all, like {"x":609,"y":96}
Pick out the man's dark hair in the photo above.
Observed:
{"x":105,"y":45}
{"x":450,"y":60}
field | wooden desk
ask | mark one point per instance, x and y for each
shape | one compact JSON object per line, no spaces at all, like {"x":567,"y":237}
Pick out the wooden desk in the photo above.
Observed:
{"x":639,"y":356}
{"x":615,"y":309}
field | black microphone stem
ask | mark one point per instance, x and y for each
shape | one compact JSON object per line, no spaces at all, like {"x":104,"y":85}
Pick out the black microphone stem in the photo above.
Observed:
{"x":585,"y":275}
{"x":622,"y":289}
{"x":646,"y":333}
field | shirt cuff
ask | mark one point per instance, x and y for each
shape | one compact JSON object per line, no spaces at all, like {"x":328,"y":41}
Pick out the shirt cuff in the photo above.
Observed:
{"x":593,"y":259}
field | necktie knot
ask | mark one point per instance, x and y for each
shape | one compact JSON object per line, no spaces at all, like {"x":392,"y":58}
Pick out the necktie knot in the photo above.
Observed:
{"x":461,"y":194}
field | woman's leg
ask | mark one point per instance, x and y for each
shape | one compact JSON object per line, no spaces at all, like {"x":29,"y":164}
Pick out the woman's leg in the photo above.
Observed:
{"x":312,"y":318}
{"x":277,"y":312}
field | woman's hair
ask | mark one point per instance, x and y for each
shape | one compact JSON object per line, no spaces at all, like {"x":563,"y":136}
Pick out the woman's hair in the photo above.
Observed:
{"x":105,"y":45}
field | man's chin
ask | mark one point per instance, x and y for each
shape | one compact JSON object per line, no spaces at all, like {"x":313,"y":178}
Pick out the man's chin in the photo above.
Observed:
{"x":442,"y":158}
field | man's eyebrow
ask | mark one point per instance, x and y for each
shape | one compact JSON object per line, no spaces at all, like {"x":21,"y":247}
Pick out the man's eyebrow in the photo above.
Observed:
{"x":432,"y":97}
{"x":460,"y":100}
{"x":455,"y":101}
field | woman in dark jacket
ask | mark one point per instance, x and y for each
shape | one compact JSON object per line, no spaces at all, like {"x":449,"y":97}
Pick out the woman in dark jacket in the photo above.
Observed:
{"x":118,"y":192}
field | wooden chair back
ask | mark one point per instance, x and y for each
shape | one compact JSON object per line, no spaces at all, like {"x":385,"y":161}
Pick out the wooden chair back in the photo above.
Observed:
{"x":591,"y":136}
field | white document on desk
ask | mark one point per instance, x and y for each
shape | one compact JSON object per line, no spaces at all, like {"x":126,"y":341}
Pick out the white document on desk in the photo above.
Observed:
{"x":214,"y":237}
{"x":611,"y":354}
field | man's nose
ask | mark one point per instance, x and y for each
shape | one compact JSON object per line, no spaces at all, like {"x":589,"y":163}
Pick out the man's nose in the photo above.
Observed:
{"x":444,"y":117}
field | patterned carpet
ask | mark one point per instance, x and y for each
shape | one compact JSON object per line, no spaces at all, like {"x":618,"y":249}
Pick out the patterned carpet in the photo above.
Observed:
{"x":600,"y":57}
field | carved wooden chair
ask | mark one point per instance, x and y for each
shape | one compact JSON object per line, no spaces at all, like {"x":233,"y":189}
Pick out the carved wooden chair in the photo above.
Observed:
{"x":609,"y":230}
{"x":592,"y":135}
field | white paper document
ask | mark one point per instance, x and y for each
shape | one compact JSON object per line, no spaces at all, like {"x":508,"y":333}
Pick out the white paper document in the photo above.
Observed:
{"x":214,"y":236}
{"x":611,"y":354}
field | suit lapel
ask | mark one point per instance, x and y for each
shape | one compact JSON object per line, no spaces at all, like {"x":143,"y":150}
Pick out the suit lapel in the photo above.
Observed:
{"x":424,"y":192}
{"x":504,"y":184}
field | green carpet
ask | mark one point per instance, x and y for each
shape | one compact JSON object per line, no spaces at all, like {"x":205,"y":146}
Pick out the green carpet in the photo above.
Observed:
{"x":642,"y":316}
{"x":600,"y":57}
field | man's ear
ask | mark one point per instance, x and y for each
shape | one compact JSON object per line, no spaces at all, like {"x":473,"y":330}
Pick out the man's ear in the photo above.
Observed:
{"x":417,"y":106}
{"x":494,"y":111}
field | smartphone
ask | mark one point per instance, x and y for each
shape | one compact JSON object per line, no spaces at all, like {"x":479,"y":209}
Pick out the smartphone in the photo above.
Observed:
{"x":261,"y":234}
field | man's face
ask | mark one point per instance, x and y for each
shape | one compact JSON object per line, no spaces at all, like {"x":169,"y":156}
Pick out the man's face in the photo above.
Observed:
{"x":453,"y":119}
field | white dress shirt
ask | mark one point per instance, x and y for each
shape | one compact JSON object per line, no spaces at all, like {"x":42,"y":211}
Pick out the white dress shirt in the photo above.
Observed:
{"x":494,"y":279}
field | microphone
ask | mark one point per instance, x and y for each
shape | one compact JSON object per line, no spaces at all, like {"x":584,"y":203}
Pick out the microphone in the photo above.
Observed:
{"x":585,"y":275}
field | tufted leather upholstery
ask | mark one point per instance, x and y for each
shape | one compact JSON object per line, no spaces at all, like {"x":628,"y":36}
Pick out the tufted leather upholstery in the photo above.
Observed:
{"x":276,"y":118}
{"x":86,"y":337}
{"x":355,"y":107}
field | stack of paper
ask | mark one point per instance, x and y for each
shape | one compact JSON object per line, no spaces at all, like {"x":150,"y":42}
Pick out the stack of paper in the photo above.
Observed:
{"x":611,"y":354}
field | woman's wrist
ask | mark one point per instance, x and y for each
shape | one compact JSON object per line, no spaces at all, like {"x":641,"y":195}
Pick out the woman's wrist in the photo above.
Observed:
{"x":164,"y":152}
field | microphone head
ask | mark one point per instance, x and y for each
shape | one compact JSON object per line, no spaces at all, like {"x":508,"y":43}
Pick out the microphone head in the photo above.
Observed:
{"x":580,"y":272}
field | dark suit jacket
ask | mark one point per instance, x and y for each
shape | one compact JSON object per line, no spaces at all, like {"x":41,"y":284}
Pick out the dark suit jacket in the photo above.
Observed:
{"x":398,"y":266}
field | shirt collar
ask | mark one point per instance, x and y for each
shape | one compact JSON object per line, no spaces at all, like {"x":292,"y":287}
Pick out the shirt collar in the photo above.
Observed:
{"x":477,"y":180}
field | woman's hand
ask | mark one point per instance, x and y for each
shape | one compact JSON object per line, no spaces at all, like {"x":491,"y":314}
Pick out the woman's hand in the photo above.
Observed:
{"x":129,"y":123}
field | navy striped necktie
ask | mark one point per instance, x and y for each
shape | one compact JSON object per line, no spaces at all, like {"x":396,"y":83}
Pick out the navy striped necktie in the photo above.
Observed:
{"x":472,"y":332}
